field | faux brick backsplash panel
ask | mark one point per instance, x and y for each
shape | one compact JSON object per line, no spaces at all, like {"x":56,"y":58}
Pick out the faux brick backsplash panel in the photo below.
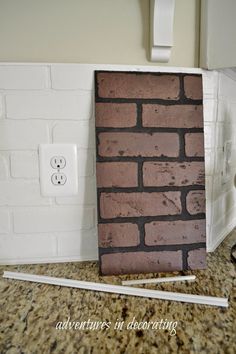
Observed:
{"x":150,"y":172}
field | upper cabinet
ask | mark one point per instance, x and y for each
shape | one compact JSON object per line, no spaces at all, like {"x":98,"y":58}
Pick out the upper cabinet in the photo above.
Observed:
{"x":218,"y":34}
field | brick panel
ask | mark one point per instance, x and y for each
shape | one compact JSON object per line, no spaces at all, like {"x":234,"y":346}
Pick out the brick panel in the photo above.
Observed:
{"x":150,"y":172}
{"x":118,"y":235}
{"x":125,"y":85}
{"x":194,"y":144}
{"x":193,"y":87}
{"x":117,"y":174}
{"x":175,"y":232}
{"x":195,"y":202}
{"x":141,"y":262}
{"x":174,"y":116}
{"x":113,"y":205}
{"x":173,"y":173}
{"x":116,"y":115}
{"x":197,"y":259}
{"x":138,"y":144}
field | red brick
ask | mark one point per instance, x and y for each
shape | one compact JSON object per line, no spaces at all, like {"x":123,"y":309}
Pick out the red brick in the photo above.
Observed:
{"x":193,"y":87}
{"x":133,"y":85}
{"x":138,"y":144}
{"x":141,"y":262}
{"x":159,"y":174}
{"x":118,"y":235}
{"x":175,"y":232}
{"x":194,"y":144}
{"x":117,"y":174}
{"x":174,"y":116}
{"x":197,"y":259}
{"x":195,"y":202}
{"x":113,"y":205}
{"x":116,"y":115}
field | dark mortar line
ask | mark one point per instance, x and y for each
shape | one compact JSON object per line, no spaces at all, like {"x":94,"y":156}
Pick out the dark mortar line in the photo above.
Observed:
{"x":148,"y":219}
{"x":184,"y":189}
{"x":139,"y":117}
{"x":182,"y":92}
{"x":140,"y":176}
{"x":183,"y":201}
{"x":157,"y":248}
{"x":184,"y":258}
{"x":148,"y":130}
{"x":148,"y":158}
{"x":153,"y":73}
{"x":141,"y":233}
{"x":96,"y":86}
{"x":159,"y":101}
{"x":182,"y":154}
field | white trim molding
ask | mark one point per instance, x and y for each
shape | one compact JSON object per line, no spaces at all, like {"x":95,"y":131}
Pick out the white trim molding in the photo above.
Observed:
{"x":161,"y":31}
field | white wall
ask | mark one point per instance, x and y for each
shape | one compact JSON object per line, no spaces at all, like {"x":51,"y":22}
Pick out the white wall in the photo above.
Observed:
{"x":92,"y":31}
{"x":38,"y":229}
{"x":222,"y":197}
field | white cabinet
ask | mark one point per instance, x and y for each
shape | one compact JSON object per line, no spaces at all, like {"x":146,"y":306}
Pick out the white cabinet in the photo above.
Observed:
{"x":218,"y":34}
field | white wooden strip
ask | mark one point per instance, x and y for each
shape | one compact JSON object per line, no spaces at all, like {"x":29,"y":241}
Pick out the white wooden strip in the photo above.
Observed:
{"x":158,"y":280}
{"x":119,"y":289}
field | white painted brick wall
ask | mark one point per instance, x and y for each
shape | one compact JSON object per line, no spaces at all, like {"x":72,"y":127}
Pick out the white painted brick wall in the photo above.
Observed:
{"x":4,"y":170}
{"x":4,"y":222}
{"x":21,"y":192}
{"x":82,"y":134}
{"x":50,"y":105}
{"x":24,"y":164}
{"x":223,"y":196}
{"x":23,"y":77}
{"x":1,"y":106}
{"x":22,"y":135}
{"x":53,"y":103}
{"x":33,"y":220}
{"x":27,"y":248}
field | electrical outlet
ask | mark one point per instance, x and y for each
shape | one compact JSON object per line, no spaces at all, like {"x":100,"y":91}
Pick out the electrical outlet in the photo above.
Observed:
{"x":59,"y":179}
{"x":58,"y":170}
{"x":58,"y":162}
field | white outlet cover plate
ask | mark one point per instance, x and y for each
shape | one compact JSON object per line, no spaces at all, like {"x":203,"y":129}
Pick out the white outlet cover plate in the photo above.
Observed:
{"x":46,"y":153}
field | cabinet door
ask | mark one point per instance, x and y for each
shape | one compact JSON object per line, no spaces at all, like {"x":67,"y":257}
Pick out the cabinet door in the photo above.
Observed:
{"x":218,"y":34}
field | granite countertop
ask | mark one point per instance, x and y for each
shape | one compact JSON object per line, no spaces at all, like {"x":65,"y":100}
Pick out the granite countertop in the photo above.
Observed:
{"x":29,"y":312}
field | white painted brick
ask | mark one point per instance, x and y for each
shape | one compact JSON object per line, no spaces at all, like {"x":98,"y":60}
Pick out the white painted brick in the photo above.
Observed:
{"x":1,"y":106}
{"x":223,"y":110}
{"x":82,"y":134}
{"x":221,"y":135}
{"x":209,"y":110}
{"x":27,"y":247}
{"x":23,"y":77}
{"x":209,"y":196}
{"x":24,"y":164}
{"x":209,"y":162}
{"x":209,"y":132}
{"x":81,"y":244}
{"x":219,"y":161}
{"x":21,"y":193}
{"x":3,"y":167}
{"x":227,"y":88}
{"x":49,"y":219}
{"x":86,"y":162}
{"x":72,"y":76}
{"x":4,"y":222}
{"x":210,"y":79}
{"x":50,"y":105}
{"x":86,"y":193}
{"x":22,"y":135}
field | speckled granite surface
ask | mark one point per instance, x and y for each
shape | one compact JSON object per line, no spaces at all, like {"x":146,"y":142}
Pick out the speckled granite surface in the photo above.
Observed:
{"x":29,"y":312}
